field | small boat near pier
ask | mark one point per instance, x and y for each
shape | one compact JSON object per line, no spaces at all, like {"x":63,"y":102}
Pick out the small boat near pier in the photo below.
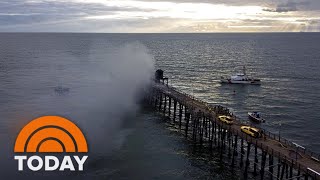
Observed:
{"x":256,"y":117}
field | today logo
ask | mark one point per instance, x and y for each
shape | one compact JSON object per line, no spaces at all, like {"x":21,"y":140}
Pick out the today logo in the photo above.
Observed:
{"x":50,"y":134}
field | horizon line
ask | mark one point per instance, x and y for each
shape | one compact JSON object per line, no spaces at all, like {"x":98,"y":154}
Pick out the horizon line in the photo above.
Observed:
{"x":240,"y":32}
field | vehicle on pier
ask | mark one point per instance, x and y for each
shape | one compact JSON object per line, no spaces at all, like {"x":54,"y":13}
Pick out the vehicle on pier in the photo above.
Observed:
{"x":256,"y":117}
{"x":253,"y":132}
{"x":240,"y":78}
{"x":226,"y":119}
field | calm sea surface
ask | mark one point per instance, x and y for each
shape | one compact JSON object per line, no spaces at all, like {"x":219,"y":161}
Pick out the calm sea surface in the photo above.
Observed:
{"x":93,"y":79}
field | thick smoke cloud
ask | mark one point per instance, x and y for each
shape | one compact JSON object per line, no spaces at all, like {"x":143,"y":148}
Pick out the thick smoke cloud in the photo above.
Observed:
{"x":126,"y":71}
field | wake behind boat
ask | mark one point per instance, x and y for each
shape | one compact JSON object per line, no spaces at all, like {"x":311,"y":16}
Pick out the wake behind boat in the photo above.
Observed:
{"x":241,"y":78}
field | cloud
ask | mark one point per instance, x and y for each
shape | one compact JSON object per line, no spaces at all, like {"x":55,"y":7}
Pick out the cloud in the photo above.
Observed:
{"x":284,"y":7}
{"x":30,"y":12}
{"x":147,"y":16}
{"x":293,"y":5}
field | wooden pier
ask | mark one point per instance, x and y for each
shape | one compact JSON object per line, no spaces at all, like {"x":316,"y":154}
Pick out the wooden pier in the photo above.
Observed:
{"x":269,"y":157}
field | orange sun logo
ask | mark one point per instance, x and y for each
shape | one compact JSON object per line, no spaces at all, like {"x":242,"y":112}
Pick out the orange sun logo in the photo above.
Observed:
{"x":50,"y":134}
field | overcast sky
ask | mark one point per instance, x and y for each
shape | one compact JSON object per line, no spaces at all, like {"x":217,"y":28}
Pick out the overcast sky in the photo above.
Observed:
{"x":159,"y":16}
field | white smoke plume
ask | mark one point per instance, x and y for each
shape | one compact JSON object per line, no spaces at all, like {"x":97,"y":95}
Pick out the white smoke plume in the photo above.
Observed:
{"x":124,"y":73}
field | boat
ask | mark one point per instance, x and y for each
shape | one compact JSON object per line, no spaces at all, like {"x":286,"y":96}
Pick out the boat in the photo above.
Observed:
{"x":241,"y":78}
{"x":256,"y":117}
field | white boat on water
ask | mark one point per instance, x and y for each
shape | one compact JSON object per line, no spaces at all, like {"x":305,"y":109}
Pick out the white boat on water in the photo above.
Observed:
{"x":256,"y":117}
{"x":241,"y":78}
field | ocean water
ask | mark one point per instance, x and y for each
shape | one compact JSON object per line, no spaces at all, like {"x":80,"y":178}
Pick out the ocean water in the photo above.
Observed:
{"x":95,"y":80}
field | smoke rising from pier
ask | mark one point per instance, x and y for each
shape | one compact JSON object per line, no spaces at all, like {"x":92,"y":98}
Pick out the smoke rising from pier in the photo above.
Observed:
{"x":125,"y":72}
